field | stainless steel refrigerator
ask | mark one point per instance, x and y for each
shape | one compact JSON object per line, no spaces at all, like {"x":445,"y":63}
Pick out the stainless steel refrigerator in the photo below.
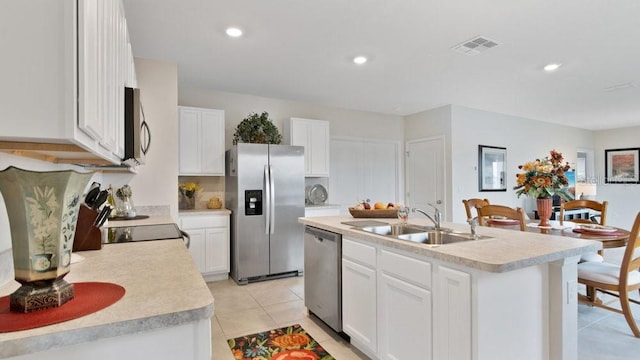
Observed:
{"x":264,"y":189}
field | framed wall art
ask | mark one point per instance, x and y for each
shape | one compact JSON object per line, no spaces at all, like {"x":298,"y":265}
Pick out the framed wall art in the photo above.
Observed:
{"x":622,"y":166}
{"x":492,"y":167}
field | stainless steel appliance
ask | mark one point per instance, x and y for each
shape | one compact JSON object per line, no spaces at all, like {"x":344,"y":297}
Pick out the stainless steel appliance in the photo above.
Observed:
{"x":323,"y":275}
{"x":265,"y":193}
{"x":137,"y":136}
{"x":121,"y":234}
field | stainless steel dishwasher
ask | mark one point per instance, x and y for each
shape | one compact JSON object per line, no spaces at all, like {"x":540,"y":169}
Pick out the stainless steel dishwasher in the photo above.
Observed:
{"x":323,"y":275}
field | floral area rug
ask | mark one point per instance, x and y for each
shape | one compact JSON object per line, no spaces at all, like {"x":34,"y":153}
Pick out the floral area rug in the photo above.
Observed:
{"x":288,"y":343}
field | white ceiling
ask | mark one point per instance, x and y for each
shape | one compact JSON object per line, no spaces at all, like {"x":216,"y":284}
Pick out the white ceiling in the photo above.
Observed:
{"x":302,"y":50}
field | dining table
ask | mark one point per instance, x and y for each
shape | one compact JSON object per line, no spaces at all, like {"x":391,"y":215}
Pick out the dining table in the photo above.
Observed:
{"x":609,"y":236}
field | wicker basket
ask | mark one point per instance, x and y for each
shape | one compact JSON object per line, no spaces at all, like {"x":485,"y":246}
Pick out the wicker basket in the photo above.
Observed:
{"x":372,"y":213}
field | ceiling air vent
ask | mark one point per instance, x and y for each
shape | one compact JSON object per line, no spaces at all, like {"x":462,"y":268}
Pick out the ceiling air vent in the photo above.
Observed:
{"x":475,"y":46}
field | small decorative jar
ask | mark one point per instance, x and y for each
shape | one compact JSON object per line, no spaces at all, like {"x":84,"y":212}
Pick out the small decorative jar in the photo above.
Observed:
{"x":214,"y":203}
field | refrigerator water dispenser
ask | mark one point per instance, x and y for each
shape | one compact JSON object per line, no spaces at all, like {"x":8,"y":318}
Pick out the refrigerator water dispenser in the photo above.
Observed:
{"x":253,"y":202}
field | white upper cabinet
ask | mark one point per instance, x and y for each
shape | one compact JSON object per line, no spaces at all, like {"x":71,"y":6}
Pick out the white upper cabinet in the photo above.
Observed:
{"x":66,"y":82}
{"x":201,"y":140}
{"x":314,"y":136}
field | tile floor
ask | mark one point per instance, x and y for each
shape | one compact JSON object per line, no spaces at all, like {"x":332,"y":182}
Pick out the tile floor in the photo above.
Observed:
{"x":243,"y":310}
{"x":256,"y":307}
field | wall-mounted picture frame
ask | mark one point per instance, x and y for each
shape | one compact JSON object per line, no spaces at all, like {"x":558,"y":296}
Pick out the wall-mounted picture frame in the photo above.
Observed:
{"x":622,"y":166}
{"x":492,"y":168}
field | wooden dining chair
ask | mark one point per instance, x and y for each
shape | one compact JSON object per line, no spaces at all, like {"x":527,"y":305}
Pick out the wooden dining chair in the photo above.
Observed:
{"x":472,"y":204}
{"x":486,"y":212}
{"x":585,"y":204}
{"x":615,"y":280}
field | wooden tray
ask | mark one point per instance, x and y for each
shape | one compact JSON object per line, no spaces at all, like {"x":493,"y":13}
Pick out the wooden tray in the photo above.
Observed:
{"x":386,"y":213}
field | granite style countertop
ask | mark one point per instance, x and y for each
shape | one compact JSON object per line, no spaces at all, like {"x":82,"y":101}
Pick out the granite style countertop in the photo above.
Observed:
{"x":505,"y":250}
{"x":163,"y":289}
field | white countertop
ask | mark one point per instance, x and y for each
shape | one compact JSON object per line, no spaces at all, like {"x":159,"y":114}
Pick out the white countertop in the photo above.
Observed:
{"x":506,"y":250}
{"x":163,"y":289}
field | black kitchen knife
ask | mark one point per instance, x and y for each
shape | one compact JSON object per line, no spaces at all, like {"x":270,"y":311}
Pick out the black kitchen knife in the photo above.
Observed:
{"x":102,"y":216}
{"x":100,"y":199}
{"x":92,"y":194}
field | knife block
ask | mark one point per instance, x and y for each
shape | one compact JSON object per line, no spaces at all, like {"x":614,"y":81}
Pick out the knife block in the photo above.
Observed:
{"x":88,"y":236}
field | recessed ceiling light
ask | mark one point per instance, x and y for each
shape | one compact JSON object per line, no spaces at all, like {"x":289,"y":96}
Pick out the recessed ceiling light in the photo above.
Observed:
{"x":552,"y":67}
{"x":359,"y":60}
{"x":234,"y":32}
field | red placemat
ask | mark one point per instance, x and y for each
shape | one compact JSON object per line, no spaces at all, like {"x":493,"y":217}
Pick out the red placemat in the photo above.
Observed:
{"x":89,"y":298}
{"x":595,"y":232}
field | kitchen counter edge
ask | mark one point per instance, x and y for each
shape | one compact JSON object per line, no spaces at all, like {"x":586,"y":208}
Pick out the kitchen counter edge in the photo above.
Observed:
{"x":157,"y":296}
{"x":506,"y":250}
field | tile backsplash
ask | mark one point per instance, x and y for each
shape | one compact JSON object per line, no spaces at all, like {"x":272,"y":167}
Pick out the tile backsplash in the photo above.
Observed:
{"x":210,"y":186}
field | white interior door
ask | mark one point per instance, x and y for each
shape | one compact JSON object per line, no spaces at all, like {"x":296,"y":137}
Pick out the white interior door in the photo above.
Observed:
{"x":425,"y":174}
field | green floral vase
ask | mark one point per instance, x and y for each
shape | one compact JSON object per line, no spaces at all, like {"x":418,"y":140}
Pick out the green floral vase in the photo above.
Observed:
{"x":43,"y":211}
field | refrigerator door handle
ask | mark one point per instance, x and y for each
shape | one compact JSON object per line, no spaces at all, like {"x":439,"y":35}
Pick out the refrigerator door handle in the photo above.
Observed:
{"x":267,"y":199}
{"x":272,"y":202}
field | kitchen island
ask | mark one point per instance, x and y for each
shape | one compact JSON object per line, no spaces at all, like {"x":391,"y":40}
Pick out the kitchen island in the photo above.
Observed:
{"x":509,"y":295}
{"x":164,"y":314}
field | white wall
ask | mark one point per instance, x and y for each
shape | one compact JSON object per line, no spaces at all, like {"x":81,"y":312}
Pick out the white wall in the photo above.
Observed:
{"x":525,"y":141}
{"x":465,"y":128}
{"x":427,"y":124}
{"x":624,"y":199}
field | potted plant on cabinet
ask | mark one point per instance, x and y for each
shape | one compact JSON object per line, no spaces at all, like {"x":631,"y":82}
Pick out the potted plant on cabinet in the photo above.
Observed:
{"x":257,"y":129}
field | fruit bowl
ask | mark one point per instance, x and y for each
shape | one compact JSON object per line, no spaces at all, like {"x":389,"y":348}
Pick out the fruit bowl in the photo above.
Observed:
{"x":372,"y":213}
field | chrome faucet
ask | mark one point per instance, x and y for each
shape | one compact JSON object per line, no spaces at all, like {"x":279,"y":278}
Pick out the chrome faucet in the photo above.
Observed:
{"x":474,"y":224}
{"x":436,"y":215}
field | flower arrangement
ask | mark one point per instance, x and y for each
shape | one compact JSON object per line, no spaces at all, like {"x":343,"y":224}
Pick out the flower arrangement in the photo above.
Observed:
{"x":544,"y":178}
{"x":124,"y":192}
{"x":189,"y":189}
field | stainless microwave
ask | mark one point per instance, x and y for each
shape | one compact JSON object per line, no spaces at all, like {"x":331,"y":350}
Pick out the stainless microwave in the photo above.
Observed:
{"x":137,"y":137}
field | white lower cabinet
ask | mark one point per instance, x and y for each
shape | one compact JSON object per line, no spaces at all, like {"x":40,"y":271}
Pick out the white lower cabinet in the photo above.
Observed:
{"x":452,"y":321}
{"x":359,"y":306}
{"x":209,"y":244}
{"x":404,"y":308}
{"x":395,"y":306}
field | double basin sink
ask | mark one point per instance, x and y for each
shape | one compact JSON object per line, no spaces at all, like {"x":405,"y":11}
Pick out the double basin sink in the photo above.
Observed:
{"x":427,"y":235}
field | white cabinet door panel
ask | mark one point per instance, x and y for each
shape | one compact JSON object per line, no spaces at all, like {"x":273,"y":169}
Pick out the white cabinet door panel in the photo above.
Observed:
{"x":197,"y":248}
{"x":189,"y":147}
{"x":359,"y":304}
{"x":217,"y":250}
{"x":405,"y":316}
{"x":452,"y":339}
{"x":213,"y":142}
